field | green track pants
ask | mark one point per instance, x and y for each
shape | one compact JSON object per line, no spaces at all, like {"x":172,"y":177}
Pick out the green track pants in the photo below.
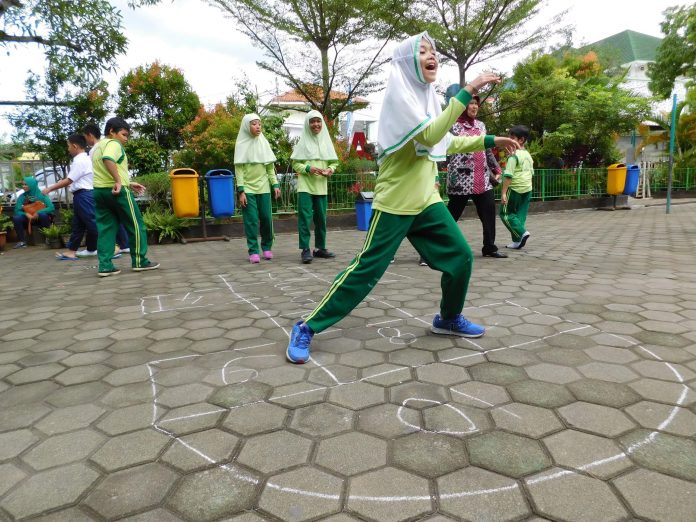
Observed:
{"x":514,"y":214}
{"x":436,"y":237}
{"x":258,"y":210}
{"x":311,"y":207}
{"x":110,"y":212}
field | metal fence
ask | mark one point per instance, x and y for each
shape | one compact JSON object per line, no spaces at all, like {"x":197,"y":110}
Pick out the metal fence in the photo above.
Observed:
{"x":547,"y":185}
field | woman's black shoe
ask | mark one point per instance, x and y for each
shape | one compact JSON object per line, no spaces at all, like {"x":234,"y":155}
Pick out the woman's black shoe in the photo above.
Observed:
{"x":497,"y":254}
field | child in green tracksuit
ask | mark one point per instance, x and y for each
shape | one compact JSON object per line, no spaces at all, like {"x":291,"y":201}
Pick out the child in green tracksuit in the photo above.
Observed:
{"x":255,"y":176}
{"x":517,"y":189}
{"x":314,"y":160}
{"x":413,"y":136}
{"x":114,"y":201}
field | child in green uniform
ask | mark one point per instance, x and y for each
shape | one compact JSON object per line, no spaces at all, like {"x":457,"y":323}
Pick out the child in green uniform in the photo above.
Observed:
{"x":517,"y":189}
{"x":314,"y":160}
{"x":114,"y":201}
{"x":413,"y":136}
{"x":255,"y":175}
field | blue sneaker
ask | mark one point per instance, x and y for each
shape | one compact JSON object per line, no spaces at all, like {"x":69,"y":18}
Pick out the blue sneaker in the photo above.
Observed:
{"x":298,"y":347}
{"x":458,"y":326}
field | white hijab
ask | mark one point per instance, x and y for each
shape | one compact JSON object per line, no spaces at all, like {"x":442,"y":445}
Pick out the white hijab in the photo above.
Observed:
{"x":410,"y":104}
{"x":249,"y":148}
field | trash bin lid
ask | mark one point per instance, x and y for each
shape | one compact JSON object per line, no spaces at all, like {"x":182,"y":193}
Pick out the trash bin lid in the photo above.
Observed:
{"x":219,"y":172}
{"x":617,"y":166}
{"x":633,"y":167}
{"x":365,"y":196}
{"x":183,"y":172}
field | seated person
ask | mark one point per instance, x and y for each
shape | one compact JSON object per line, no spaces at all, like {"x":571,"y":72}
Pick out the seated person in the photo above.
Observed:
{"x":41,"y":217}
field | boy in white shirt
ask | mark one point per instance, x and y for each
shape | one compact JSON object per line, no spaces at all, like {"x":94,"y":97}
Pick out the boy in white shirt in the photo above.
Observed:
{"x":80,"y":183}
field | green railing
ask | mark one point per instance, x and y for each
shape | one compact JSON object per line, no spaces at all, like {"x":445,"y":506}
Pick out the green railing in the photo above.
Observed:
{"x":547,"y":185}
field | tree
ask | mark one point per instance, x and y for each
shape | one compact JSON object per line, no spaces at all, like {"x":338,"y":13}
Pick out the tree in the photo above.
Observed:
{"x":676,"y":54}
{"x":573,"y":108}
{"x":80,"y":39}
{"x":469,"y":32}
{"x":319,"y":46}
{"x":159,"y":101}
{"x":46,"y":128}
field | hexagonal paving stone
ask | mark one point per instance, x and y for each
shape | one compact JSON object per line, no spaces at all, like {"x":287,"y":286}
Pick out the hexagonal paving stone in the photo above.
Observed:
{"x":255,"y":418}
{"x":669,"y":392}
{"x":656,"y":496}
{"x":418,"y":395}
{"x":441,"y":373}
{"x":428,"y":454}
{"x":570,"y":496}
{"x":322,"y":420}
{"x":49,"y":490}
{"x":387,"y":374}
{"x":476,"y":494}
{"x":274,"y":451}
{"x":526,"y":420}
{"x":597,"y":419}
{"x":63,"y":449}
{"x":299,"y":394}
{"x":563,"y":356}
{"x":357,"y":396}
{"x":509,"y":454}
{"x":595,"y":455}
{"x":389,"y":420}
{"x":35,"y":373}
{"x":131,"y":449}
{"x":332,"y":375}
{"x":81,"y":374}
{"x":9,"y":476}
{"x":552,"y":373}
{"x":352,"y":453}
{"x":495,"y":373}
{"x":68,"y":419}
{"x":454,"y":419}
{"x":183,"y":395}
{"x":126,"y":419}
{"x":538,"y":393}
{"x":605,"y":393}
{"x":155,"y":515}
{"x":365,"y":494}
{"x":21,"y":416}
{"x":479,"y":394}
{"x":662,"y":452}
{"x":661,"y":370}
{"x":611,"y":355}
{"x":240,"y":394}
{"x":654,"y":415}
{"x":200,"y":450}
{"x":281,"y":499}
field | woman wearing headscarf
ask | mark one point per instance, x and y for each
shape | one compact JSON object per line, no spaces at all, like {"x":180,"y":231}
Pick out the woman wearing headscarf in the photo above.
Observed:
{"x":314,"y":159}
{"x":413,"y":136}
{"x":469,"y":176}
{"x":255,"y":176}
{"x":26,"y":211}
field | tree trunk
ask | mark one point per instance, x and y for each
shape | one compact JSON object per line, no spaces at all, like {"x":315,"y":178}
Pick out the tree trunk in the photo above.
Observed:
{"x":325,"y":83}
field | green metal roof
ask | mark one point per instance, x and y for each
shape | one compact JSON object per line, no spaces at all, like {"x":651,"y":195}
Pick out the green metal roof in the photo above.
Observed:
{"x":629,"y":46}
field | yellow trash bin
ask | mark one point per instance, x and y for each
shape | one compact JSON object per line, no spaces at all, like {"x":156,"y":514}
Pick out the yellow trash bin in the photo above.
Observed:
{"x":616,"y":179}
{"x":185,"y":192}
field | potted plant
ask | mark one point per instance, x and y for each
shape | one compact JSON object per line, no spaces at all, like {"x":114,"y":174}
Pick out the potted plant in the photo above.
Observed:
{"x":163,"y":226}
{"x":66,"y":217}
{"x":5,"y":225}
{"x":53,"y":235}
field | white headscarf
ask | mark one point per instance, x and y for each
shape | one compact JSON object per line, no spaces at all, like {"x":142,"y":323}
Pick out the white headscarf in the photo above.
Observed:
{"x":410,"y":103}
{"x":249,"y":148}
{"x":314,"y":146}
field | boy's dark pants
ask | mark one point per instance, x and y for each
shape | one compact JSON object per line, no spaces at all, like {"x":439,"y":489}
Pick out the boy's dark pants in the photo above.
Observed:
{"x":83,"y":220}
{"x":110,"y":211}
{"x":514,"y":214}
{"x":258,"y":209}
{"x":21,"y":221}
{"x":436,"y":237}
{"x":485,"y":208}
{"x":311,"y":207}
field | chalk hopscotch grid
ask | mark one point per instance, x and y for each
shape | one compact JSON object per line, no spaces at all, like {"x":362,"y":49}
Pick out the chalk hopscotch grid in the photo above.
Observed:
{"x":480,"y":352}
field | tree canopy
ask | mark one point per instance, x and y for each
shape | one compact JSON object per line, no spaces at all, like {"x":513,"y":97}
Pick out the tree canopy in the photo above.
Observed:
{"x":676,"y":54}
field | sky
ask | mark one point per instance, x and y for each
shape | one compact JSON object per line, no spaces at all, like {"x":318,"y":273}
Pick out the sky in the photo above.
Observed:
{"x":202,"y":41}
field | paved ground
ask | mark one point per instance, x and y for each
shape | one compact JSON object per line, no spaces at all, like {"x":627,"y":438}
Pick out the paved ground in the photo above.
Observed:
{"x":166,"y":396}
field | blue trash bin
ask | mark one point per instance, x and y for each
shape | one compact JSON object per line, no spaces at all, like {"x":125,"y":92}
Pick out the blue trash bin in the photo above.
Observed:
{"x":632,"y":177}
{"x":220,"y":192}
{"x":363,"y":210}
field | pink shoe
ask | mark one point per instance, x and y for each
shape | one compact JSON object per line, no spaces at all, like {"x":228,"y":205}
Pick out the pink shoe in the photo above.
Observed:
{"x":267,"y":255}
{"x":254,"y":258}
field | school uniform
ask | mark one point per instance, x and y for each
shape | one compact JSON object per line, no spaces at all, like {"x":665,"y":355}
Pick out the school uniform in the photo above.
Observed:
{"x":255,"y":176}
{"x":520,"y":169}
{"x":81,"y":188}
{"x":121,"y":235}
{"x":114,"y":210}
{"x":312,"y":189}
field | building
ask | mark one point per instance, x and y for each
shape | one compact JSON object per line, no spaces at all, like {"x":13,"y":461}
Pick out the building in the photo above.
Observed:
{"x":634,"y":51}
{"x":297,"y":106}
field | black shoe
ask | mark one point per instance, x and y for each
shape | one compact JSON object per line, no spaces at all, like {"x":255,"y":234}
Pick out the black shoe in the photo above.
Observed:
{"x":495,"y":254}
{"x":524,"y":238}
{"x":149,"y":266}
{"x":306,"y":256}
{"x":422,"y":262}
{"x":323,"y":253}
{"x":107,"y":273}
